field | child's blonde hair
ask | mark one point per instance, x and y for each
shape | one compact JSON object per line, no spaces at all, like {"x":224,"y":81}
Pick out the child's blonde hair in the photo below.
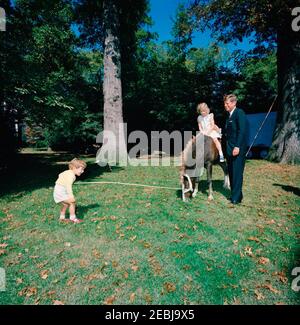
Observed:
{"x":76,"y":163}
{"x":202,"y":106}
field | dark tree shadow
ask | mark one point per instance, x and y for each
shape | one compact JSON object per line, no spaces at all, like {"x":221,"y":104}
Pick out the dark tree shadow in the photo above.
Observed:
{"x":288,"y":188}
{"x":32,"y":171}
{"x":217,"y":186}
{"x":81,"y":210}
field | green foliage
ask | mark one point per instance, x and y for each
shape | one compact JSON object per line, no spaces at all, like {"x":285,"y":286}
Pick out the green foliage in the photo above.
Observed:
{"x":258,"y":83}
{"x":235,"y":19}
{"x":51,"y":83}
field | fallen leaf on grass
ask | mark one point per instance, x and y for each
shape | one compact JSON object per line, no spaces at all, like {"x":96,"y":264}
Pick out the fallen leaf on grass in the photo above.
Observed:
{"x":115,"y":264}
{"x":3,"y":245}
{"x":229,"y":273}
{"x":248,"y":251}
{"x":187,"y":287}
{"x":254,"y":239}
{"x":109,"y":300}
{"x":58,"y":303}
{"x":98,"y":219}
{"x":269,"y":287}
{"x":148,"y":299}
{"x":96,"y":254}
{"x":95,"y":276}
{"x":263,"y":260}
{"x":147,"y":245}
{"x":28,"y":292}
{"x":259,"y":295}
{"x":41,"y":265}
{"x":133,"y":238}
{"x":70,"y":282}
{"x":170,"y":287}
{"x":44,"y":274}
{"x":132,"y":297}
{"x":134,"y":268}
{"x":270,"y":222}
{"x":281,"y":276}
{"x":2,"y":252}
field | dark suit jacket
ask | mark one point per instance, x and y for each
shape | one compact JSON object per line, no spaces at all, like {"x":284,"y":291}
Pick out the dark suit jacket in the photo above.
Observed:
{"x":236,"y":132}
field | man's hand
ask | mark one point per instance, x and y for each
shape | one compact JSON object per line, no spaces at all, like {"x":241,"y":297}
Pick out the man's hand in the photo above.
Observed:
{"x":235,"y":151}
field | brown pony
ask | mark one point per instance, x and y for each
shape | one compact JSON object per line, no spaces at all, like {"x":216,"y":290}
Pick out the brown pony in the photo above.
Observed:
{"x":199,"y":153}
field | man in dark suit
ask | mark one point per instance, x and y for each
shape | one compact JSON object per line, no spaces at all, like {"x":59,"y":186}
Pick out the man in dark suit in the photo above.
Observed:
{"x":236,"y":146}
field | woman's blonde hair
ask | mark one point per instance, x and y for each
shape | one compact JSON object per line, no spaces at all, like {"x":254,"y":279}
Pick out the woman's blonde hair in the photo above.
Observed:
{"x":202,"y":106}
{"x":76,"y":163}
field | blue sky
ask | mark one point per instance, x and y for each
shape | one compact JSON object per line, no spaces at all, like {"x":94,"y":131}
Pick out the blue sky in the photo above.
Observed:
{"x":162,"y":11}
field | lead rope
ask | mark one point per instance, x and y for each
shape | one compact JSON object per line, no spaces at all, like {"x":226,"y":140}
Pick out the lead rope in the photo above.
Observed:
{"x":262,"y":124}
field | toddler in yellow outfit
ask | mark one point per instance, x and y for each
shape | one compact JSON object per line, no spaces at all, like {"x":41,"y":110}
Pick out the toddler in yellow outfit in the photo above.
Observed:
{"x":63,"y":192}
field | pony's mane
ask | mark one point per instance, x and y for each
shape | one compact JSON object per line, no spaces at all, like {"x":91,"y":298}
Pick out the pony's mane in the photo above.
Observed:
{"x":186,"y":151}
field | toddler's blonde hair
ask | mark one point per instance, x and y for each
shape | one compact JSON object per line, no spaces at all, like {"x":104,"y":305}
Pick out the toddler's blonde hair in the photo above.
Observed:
{"x":76,"y":163}
{"x":202,"y":106}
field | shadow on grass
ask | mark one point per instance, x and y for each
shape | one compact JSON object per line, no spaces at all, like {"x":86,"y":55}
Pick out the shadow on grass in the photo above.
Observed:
{"x":291,"y":189}
{"x":81,"y":210}
{"x":32,"y":171}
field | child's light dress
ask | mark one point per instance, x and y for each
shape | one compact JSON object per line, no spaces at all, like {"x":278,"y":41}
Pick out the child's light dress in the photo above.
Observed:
{"x":63,"y":186}
{"x":207,"y":124}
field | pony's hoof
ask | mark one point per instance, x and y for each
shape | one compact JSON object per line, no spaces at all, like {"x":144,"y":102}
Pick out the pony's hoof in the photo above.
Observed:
{"x":194,"y":194}
{"x":210,"y":198}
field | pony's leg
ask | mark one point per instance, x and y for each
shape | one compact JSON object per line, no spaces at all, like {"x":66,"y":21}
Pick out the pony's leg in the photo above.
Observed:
{"x":209,"y":181}
{"x":183,"y":195}
{"x":195,"y":187}
{"x":226,"y":183}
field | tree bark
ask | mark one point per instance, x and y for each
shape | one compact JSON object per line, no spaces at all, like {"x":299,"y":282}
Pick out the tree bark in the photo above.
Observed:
{"x":112,"y":86}
{"x":286,"y":141}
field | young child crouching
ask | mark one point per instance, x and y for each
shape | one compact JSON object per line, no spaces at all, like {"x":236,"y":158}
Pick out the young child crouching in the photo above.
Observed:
{"x":63,"y":189}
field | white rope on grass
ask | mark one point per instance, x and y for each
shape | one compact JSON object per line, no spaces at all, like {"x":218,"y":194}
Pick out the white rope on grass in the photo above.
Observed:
{"x":130,"y":184}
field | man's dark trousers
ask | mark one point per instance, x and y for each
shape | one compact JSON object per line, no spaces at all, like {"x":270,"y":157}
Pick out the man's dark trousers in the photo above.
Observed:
{"x":236,"y":167}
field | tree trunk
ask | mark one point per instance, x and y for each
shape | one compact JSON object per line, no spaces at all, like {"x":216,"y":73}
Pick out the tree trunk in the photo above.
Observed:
{"x":286,"y":141}
{"x":112,"y":88}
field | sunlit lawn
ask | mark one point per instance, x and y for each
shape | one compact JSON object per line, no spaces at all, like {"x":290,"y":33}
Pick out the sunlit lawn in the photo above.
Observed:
{"x":144,"y":245}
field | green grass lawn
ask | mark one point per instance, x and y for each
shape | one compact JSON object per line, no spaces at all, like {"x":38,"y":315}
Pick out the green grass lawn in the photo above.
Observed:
{"x":144,"y":245}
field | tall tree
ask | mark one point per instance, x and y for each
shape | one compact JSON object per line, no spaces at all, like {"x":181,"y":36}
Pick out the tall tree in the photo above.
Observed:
{"x":271,"y":21}
{"x":112,"y":86}
{"x":111,"y":25}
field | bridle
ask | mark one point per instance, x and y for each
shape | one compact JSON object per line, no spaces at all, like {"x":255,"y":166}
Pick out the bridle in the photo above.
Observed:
{"x":190,"y":189}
